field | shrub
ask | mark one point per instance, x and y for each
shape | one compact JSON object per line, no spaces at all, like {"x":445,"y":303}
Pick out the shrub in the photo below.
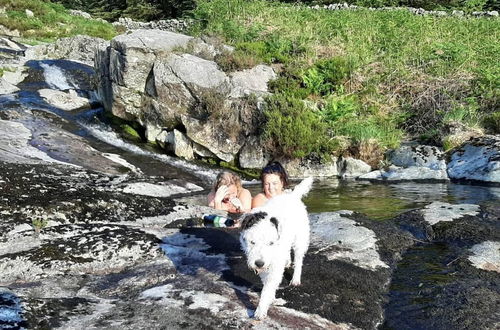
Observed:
{"x":327,"y":75}
{"x":292,"y":130}
{"x":338,"y":107}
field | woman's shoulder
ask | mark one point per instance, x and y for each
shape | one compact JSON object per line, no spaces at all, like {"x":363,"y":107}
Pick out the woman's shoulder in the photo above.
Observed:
{"x":258,"y":200}
{"x":260,"y":196}
{"x":245,"y":192}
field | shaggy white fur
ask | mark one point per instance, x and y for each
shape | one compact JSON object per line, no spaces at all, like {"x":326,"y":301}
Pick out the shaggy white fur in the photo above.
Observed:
{"x":269,"y":234}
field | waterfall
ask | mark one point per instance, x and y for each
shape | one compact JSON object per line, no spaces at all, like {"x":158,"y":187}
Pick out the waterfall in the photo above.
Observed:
{"x":106,"y":134}
{"x":55,"y":77}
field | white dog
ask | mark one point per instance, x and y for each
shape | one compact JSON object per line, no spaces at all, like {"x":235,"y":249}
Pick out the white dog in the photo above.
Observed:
{"x":269,"y":234}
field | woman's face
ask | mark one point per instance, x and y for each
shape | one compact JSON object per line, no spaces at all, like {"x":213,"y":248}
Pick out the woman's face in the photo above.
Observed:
{"x":272,"y":185}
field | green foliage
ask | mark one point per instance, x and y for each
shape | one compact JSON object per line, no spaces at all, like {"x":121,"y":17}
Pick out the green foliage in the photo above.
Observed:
{"x":327,"y":76}
{"x":136,"y":9}
{"x":426,"y":4}
{"x":340,"y":107}
{"x":449,"y":143}
{"x":474,"y":5}
{"x":292,"y":130}
{"x":289,"y":82}
{"x":130,"y":133}
{"x":466,"y":113}
{"x":382,"y":129}
{"x":50,"y":21}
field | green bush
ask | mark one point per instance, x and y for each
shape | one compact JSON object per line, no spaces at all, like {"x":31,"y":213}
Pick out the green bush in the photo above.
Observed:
{"x":292,"y":130}
{"x":338,"y":107}
{"x":327,"y":76}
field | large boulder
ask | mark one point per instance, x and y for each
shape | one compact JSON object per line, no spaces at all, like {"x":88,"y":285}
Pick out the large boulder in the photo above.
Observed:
{"x":215,"y":137}
{"x":176,"y":85}
{"x":477,"y":159}
{"x":419,"y":155}
{"x":125,"y":65}
{"x":166,"y":81}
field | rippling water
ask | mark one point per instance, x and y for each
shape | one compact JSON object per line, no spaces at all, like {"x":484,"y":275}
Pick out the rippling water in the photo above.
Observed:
{"x":383,"y":201}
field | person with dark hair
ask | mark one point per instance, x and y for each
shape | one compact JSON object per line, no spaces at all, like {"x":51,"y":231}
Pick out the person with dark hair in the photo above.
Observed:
{"x":227,"y":194}
{"x":274,"y":182}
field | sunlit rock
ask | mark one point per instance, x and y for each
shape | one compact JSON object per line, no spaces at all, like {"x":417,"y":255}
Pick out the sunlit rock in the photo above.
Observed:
{"x":67,"y":101}
{"x":486,"y":256}
{"x":352,"y":168}
{"x":346,"y":239}
{"x":477,"y":159}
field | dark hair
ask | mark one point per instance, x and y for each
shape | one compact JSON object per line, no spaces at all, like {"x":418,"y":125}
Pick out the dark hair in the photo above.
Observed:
{"x":275,"y":168}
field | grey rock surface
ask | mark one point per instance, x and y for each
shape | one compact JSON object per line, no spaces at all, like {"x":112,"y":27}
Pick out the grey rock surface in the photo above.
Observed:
{"x":477,"y":159}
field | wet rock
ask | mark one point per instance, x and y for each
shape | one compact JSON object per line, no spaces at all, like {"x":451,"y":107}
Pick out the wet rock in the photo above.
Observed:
{"x":420,"y":155}
{"x":11,"y":311}
{"x":439,"y":221}
{"x":436,"y":287}
{"x":65,"y":100}
{"x":412,"y":163}
{"x":346,"y":240}
{"x":160,"y":190}
{"x":15,"y":147}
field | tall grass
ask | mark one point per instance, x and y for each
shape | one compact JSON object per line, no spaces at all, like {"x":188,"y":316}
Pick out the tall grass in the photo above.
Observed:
{"x":394,"y":56}
{"x":50,"y":21}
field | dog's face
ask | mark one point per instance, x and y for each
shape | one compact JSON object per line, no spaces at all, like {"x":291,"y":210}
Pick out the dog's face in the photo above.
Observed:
{"x":259,"y":240}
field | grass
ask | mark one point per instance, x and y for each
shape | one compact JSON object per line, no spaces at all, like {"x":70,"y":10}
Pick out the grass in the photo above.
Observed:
{"x":398,"y":67}
{"x":50,"y":21}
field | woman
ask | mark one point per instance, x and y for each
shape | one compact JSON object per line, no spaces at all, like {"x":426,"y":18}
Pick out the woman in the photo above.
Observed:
{"x":274,"y":182}
{"x":227,"y":194}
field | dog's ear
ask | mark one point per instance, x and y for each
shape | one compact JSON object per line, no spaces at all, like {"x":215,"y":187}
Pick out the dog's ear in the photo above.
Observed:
{"x":251,"y":219}
{"x":274,"y":221}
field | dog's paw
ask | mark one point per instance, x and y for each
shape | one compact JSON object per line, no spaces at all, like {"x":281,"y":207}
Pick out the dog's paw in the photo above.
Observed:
{"x":295,"y":282}
{"x":259,"y":314}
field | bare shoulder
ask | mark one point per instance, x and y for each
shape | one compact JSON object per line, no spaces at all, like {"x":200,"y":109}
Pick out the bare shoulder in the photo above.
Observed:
{"x":245,"y":193}
{"x":259,"y":200}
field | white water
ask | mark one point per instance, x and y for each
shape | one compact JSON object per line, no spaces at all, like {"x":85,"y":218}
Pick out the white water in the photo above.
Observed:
{"x":55,"y":77}
{"x":110,"y":137}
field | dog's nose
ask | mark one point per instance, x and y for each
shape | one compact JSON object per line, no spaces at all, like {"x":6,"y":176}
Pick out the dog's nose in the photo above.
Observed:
{"x":259,"y":263}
